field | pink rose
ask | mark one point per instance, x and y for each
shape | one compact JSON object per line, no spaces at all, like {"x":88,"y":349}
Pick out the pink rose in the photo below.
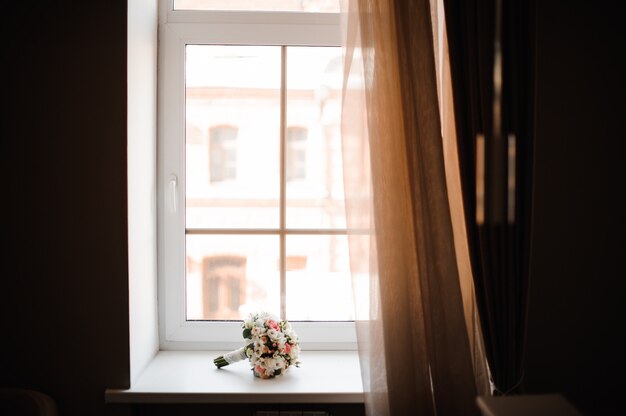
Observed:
{"x":261,"y":372}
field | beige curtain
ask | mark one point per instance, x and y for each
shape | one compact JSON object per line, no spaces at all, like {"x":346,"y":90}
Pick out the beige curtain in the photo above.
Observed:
{"x":416,"y":327}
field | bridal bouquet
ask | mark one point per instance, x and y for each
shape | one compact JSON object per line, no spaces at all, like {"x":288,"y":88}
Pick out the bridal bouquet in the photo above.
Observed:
{"x":271,"y":345}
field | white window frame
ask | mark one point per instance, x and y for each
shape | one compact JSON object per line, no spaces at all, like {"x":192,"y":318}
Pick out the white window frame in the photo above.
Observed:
{"x":176,"y":30}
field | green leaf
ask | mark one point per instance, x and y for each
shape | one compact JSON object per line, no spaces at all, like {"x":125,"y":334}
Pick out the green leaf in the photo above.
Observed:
{"x":247,"y":333}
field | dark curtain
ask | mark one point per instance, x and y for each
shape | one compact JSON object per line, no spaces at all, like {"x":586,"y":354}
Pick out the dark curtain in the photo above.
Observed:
{"x":498,"y":230}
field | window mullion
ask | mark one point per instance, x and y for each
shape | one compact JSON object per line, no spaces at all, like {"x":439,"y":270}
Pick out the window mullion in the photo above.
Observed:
{"x":283,"y":182}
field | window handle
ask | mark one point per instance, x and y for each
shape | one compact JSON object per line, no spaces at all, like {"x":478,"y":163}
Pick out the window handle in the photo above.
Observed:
{"x":173,"y":185}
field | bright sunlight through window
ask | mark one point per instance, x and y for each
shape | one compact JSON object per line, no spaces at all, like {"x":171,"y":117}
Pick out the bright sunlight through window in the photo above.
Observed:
{"x":264,"y":212}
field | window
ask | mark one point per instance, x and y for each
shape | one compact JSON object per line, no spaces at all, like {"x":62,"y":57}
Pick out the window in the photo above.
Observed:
{"x":296,"y":153}
{"x":251,"y":213}
{"x":223,"y":277}
{"x":222,"y":153}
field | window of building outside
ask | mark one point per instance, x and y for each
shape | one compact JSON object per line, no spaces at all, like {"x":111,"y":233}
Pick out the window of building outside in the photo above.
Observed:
{"x":296,"y":153}
{"x":222,"y":153}
{"x":250,"y":166}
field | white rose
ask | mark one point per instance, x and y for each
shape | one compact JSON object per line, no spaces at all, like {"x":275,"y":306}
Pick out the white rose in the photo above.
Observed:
{"x":248,"y":323}
{"x":258,"y":352}
{"x":273,"y":334}
{"x":279,"y":363}
{"x":281,"y":344}
{"x":270,"y":363}
{"x":295,"y":351}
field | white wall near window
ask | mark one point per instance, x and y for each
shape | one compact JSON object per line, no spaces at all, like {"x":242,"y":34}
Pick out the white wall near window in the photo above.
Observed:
{"x":142,"y":234}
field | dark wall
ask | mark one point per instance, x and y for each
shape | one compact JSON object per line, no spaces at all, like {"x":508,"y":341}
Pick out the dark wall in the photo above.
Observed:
{"x":576,"y":307}
{"x":64,"y":296}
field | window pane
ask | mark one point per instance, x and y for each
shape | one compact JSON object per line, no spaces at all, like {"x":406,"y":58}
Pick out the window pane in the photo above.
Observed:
{"x":318,"y":278}
{"x":313,"y":142}
{"x":232,"y":146}
{"x":320,"y":6}
{"x":230,"y":276}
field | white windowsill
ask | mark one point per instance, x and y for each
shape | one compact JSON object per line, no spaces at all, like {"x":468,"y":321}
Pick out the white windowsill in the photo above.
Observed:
{"x":191,"y":377}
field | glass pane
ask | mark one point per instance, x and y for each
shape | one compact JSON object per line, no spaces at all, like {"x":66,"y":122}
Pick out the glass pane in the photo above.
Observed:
{"x":320,"y":6}
{"x":230,"y":276}
{"x":313,"y":143}
{"x":232,"y":146}
{"x":318,"y":278}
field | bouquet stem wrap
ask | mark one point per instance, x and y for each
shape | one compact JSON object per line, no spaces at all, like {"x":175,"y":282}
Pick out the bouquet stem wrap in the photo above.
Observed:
{"x":231,"y":357}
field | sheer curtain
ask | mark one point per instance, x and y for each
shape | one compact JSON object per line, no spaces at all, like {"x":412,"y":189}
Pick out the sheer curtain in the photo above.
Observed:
{"x":419,"y":347}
